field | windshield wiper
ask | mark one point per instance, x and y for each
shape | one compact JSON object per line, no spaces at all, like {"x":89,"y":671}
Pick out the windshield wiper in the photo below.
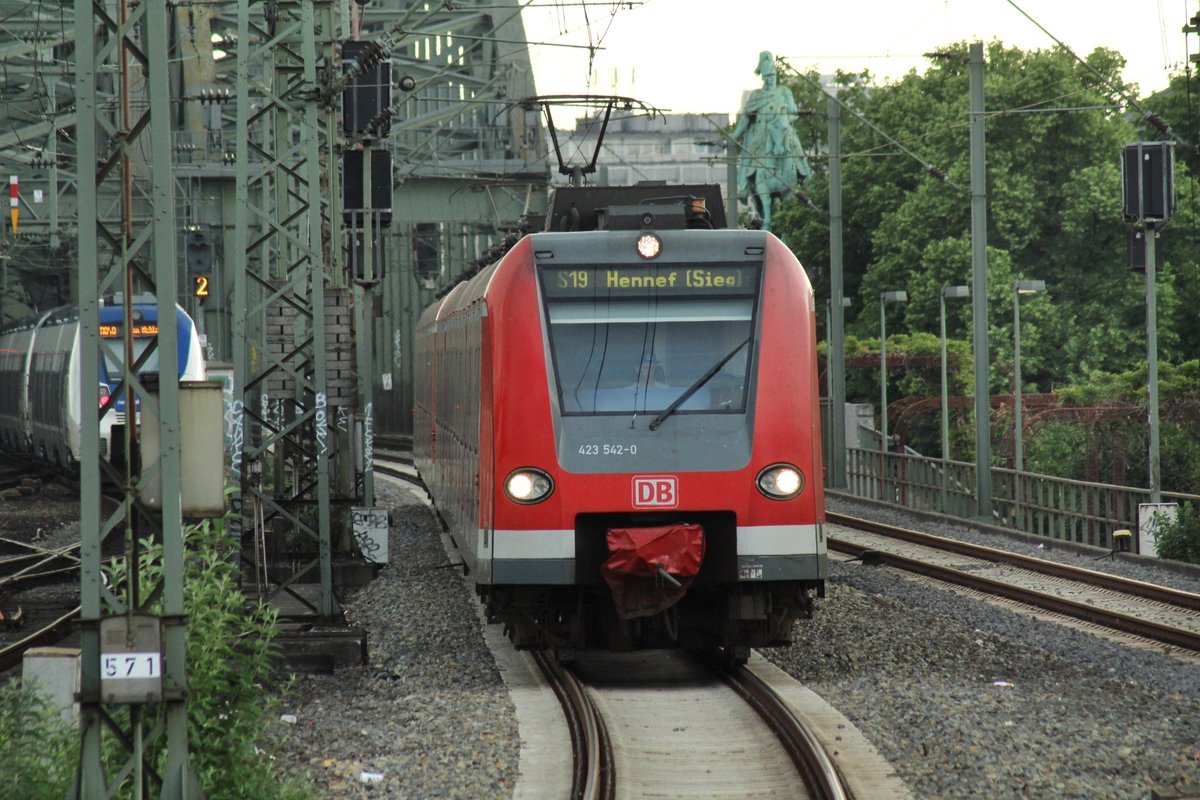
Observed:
{"x":691,"y":390}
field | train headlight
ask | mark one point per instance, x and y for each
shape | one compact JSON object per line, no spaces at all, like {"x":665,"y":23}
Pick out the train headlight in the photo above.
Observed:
{"x":528,"y":486}
{"x":649,"y":245}
{"x":780,"y":481}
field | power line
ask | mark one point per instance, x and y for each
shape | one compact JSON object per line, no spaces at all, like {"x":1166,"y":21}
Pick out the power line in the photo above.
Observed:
{"x":925,"y":165}
{"x":1131,"y":102}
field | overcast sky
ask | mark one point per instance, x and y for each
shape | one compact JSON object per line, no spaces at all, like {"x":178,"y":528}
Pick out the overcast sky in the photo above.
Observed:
{"x":699,"y":55}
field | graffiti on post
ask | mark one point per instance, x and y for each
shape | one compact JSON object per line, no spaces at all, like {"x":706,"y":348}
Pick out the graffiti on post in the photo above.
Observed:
{"x":370,"y":526}
{"x":322,"y":422}
{"x":369,"y":438}
{"x":233,"y":423}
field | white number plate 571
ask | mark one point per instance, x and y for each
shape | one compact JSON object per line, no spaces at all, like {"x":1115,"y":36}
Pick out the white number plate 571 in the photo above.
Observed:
{"x":119,"y":666}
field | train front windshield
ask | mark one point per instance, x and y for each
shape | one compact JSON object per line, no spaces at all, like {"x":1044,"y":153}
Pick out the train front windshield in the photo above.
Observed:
{"x":144,"y":334}
{"x":635,"y":339}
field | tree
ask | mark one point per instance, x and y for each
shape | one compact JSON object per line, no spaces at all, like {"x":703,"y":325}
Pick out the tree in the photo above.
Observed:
{"x":1054,"y":133}
{"x":1054,"y":136}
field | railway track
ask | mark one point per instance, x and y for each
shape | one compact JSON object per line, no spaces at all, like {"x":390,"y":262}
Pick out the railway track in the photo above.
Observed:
{"x":592,"y":772}
{"x":27,"y":618}
{"x":1157,"y":613}
{"x":48,"y":624}
{"x":661,"y":727}
{"x":39,"y":592}
{"x":30,"y":564}
{"x":668,"y":724}
{"x":399,"y":466}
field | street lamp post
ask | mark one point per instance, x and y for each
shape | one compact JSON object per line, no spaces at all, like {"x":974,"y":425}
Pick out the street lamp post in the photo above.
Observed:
{"x":1019,"y":288}
{"x":832,"y":446}
{"x":884,"y":299}
{"x":954,"y":293}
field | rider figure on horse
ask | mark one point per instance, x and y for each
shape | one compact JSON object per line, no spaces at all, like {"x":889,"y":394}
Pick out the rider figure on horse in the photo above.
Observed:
{"x":771,"y":159}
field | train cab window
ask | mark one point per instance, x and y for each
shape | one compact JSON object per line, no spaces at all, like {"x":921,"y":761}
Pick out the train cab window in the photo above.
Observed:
{"x":639,"y":351}
{"x":113,"y":356}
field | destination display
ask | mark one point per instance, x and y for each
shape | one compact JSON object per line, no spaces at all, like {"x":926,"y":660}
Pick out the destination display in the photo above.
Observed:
{"x":108,"y":331}
{"x":671,"y":279}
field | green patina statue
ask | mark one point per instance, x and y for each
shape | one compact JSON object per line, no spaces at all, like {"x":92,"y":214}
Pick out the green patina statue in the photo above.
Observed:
{"x":771,"y":159}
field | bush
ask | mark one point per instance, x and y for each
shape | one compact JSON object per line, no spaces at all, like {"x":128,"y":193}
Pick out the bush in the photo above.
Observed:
{"x":38,"y":749}
{"x":1179,"y":539}
{"x":229,"y":660}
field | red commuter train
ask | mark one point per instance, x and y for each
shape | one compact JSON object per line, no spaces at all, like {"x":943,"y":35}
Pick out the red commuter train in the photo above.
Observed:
{"x":619,"y":425}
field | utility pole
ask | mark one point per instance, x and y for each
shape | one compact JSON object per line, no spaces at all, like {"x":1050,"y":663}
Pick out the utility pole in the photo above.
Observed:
{"x":1148,"y":190}
{"x":130,"y":656}
{"x":983,"y":440}
{"x":283,"y":447}
{"x":837,"y":342}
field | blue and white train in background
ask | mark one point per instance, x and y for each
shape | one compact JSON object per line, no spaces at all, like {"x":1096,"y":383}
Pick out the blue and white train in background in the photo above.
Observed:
{"x":41,"y":391}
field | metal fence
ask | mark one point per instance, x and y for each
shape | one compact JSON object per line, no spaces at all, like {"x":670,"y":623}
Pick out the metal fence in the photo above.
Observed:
{"x":1057,"y":508}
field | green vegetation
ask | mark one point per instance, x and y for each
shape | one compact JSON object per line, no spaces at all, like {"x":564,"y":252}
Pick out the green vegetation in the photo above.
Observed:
{"x":1179,"y":539}
{"x":229,"y":654}
{"x":1054,"y":134}
{"x":39,"y":750}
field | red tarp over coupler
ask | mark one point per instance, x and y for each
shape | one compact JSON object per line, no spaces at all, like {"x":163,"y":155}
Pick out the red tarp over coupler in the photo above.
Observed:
{"x":638,"y":559}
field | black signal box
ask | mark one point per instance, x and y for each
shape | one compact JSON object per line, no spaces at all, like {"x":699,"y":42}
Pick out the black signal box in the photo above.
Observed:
{"x":1147,"y":182}
{"x":381,"y":186}
{"x":1136,"y":242}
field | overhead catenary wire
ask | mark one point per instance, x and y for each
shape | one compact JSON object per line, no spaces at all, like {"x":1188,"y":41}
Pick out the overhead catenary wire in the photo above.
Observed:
{"x":405,"y":34}
{"x":925,"y":165}
{"x":1150,"y":117}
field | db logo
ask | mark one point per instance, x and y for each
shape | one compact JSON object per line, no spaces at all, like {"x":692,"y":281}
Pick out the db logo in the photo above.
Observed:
{"x":655,"y":491}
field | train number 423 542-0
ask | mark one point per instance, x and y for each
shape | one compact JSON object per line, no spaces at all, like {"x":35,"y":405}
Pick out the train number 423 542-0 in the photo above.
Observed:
{"x":608,"y":449}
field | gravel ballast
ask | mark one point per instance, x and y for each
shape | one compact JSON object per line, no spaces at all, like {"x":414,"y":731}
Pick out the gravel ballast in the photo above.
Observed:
{"x":429,"y":715}
{"x":967,"y":700}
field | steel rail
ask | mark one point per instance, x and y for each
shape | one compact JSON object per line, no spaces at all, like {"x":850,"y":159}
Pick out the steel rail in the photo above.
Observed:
{"x":36,"y":565}
{"x":382,"y":468}
{"x":32,"y":577}
{"x":1110,"y":619}
{"x":398,"y":456}
{"x":820,"y":775}
{"x":1149,"y":591}
{"x":25,"y":549}
{"x":11,"y":655}
{"x":592,"y":776}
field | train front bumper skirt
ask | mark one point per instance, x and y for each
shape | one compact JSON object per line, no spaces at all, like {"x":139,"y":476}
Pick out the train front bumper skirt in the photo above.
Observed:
{"x":764,"y":553}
